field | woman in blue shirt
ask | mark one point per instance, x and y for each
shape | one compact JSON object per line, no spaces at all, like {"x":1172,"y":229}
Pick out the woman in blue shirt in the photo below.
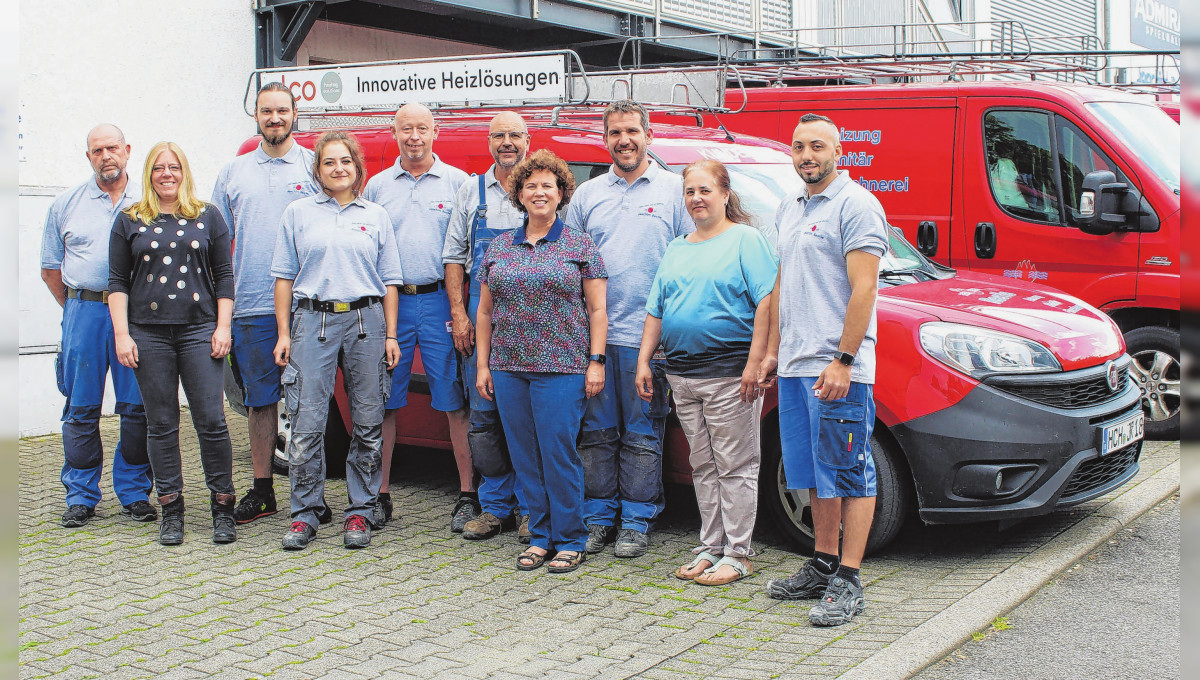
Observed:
{"x":336,"y":265}
{"x":709,"y":307}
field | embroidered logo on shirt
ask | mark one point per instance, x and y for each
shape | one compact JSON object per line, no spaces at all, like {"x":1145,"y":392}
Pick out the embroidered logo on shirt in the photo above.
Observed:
{"x":813,"y":230}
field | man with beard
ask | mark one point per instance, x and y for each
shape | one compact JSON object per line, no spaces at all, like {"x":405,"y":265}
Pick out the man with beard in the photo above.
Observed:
{"x":418,"y":193}
{"x":832,"y":233}
{"x":632,"y":212}
{"x":483,"y":211}
{"x":251,"y":193}
{"x":75,"y":269}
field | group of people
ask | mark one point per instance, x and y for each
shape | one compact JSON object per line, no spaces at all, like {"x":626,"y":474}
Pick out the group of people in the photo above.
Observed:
{"x":555,"y":322}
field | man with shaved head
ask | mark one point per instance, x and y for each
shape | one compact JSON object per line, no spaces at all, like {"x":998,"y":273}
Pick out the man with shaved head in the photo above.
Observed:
{"x":832,"y":233}
{"x":75,"y":269}
{"x":251,"y":193}
{"x":418,"y":193}
{"x":483,"y":211}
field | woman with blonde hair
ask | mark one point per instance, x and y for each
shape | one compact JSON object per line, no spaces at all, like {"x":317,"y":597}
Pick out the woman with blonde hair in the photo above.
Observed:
{"x":171,"y":302}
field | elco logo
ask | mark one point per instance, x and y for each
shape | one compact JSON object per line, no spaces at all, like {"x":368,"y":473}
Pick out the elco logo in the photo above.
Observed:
{"x":306,"y":91}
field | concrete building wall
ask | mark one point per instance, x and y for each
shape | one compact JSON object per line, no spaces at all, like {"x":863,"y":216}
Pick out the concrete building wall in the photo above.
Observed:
{"x":171,"y":70}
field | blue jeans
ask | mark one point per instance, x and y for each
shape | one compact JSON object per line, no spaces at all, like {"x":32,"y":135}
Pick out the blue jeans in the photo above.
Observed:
{"x":621,"y":445}
{"x":541,"y":413}
{"x":88,"y":354}
{"x":170,"y":354}
{"x":424,"y":321}
{"x":499,"y":491}
{"x":308,"y":384}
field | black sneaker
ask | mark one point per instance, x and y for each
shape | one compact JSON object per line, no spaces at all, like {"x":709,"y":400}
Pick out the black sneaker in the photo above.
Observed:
{"x":170,"y":531}
{"x":299,"y":536}
{"x":465,"y":510}
{"x":140,"y":511}
{"x":356,"y":532}
{"x":77,"y":516}
{"x":631,"y":543}
{"x":598,"y":537}
{"x":843,"y":600}
{"x":806,"y":584}
{"x":326,"y":515}
{"x":253,"y":506}
{"x":382,"y":513}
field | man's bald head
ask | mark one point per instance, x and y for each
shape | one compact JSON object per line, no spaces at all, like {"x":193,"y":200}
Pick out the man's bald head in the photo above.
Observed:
{"x":508,"y":139}
{"x":414,"y":131}
{"x":107,"y":152}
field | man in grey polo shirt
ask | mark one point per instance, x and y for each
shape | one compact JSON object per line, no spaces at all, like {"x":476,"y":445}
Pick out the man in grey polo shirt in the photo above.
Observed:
{"x":75,"y":269}
{"x":251,"y":193}
{"x":418,"y":193}
{"x":632,"y":212}
{"x":832,"y":233}
{"x":472,"y":227}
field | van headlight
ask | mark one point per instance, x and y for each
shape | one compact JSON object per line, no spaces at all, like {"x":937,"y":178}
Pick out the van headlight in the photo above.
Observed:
{"x":980,"y":352}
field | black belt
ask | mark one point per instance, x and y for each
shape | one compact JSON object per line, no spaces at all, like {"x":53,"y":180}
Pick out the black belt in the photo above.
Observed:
{"x":335,"y":307}
{"x":88,"y":295}
{"x":413,"y":289}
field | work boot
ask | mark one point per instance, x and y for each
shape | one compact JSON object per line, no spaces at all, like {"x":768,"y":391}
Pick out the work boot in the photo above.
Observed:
{"x":77,"y":516}
{"x":485,"y":526}
{"x":524,"y":535}
{"x":843,"y":601}
{"x":299,"y":536}
{"x":356,"y":532}
{"x":381,"y":514}
{"x":599,"y":536}
{"x":170,"y":530}
{"x":465,"y":510}
{"x":140,"y":511}
{"x":224,"y":524}
{"x":631,"y":543}
{"x":805,"y":584}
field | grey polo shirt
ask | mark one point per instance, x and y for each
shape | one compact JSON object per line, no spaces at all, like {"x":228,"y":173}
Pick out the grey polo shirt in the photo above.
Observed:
{"x":420,"y":208}
{"x":502,"y":214}
{"x":78,"y":227}
{"x":815,"y":235}
{"x":632,"y":225}
{"x":251,"y":193}
{"x":336,"y":254}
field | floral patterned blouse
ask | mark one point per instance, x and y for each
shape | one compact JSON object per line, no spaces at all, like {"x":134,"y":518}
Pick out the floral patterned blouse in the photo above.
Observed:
{"x":539,"y":317}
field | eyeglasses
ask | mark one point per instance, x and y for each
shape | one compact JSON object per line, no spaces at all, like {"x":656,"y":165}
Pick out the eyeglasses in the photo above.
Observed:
{"x":501,"y":136}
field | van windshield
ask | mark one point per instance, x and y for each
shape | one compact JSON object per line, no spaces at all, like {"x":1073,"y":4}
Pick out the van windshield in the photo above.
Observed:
{"x":1148,"y":131}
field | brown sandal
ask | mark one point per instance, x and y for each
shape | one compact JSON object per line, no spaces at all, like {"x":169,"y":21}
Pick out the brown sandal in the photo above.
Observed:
{"x":573,"y":559}
{"x":529,"y":560}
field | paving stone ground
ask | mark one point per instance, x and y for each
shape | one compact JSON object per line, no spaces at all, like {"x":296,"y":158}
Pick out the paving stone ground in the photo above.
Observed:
{"x":107,"y":601}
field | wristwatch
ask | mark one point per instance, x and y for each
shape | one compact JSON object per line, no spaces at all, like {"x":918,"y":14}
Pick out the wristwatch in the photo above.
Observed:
{"x":844,"y":357}
{"x":600,"y":358}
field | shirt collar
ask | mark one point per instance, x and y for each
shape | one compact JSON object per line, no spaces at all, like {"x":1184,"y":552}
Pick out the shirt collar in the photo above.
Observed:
{"x":838,"y":183}
{"x":490,"y":179}
{"x":555,"y":232}
{"x":649,"y":175}
{"x":435,"y":170}
{"x":95,"y":191}
{"x":292,"y":156}
{"x":323,"y":197}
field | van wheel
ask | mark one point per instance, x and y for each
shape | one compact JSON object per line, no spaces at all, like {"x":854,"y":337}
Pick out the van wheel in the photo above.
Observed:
{"x":1155,"y":370}
{"x":337,"y":442}
{"x":791,"y":511}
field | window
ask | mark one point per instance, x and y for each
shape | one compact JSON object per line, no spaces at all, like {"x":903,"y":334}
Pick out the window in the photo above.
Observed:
{"x":1078,"y":156}
{"x":1020,"y":168}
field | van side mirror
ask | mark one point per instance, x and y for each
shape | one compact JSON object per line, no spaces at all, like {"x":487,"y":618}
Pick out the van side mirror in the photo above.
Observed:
{"x":1106,"y":205}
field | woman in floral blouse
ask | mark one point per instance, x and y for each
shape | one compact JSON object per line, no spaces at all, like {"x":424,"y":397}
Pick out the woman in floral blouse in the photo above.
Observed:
{"x":541,"y":329}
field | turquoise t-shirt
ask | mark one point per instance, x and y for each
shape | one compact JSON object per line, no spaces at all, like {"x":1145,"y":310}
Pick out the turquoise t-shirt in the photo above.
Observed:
{"x":706,"y":294}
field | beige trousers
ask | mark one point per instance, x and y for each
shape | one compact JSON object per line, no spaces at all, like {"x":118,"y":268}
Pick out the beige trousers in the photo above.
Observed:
{"x":722,"y":432}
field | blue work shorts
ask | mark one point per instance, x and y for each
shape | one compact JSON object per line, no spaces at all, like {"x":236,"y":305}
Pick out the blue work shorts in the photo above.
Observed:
{"x":253,"y":358}
{"x":826,"y":445}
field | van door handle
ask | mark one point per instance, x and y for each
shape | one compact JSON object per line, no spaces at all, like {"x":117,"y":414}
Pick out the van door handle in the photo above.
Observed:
{"x":985,"y":240}
{"x":927,"y":238}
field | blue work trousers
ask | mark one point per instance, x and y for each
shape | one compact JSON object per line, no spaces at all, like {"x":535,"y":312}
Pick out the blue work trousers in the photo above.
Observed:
{"x":500,"y":492}
{"x":621,"y":445}
{"x":88,"y":354}
{"x":308,"y":383}
{"x":541,"y":413}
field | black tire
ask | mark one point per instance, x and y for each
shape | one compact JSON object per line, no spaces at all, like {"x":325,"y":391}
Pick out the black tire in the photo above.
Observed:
{"x":1156,"y":371}
{"x":792,"y":515}
{"x":337,"y":443}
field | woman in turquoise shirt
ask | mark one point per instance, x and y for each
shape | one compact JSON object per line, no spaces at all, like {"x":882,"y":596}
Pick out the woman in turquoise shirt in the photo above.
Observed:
{"x":709,"y":306}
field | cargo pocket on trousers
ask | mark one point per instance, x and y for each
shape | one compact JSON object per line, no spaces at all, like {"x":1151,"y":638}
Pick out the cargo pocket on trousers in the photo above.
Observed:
{"x":59,"y":377}
{"x":290,"y":380}
{"x":385,"y":380}
{"x":660,"y":404}
{"x":842,"y":439}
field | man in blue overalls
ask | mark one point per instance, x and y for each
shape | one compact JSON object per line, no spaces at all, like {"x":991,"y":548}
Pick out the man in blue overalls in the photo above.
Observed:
{"x":75,"y":269}
{"x":483,"y":211}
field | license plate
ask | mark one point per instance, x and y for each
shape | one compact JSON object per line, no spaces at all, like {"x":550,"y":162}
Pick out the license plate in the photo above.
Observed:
{"x":1123,"y":433}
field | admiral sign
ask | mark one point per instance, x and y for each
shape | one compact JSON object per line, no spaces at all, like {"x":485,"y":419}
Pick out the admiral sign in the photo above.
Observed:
{"x":531,"y":79}
{"x":1154,"y":24}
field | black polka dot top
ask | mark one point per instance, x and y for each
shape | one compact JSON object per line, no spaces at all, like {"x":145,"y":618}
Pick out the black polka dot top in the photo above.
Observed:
{"x":174,"y":269}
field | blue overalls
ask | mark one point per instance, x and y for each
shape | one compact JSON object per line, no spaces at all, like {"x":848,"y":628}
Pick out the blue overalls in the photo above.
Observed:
{"x":498,"y":487}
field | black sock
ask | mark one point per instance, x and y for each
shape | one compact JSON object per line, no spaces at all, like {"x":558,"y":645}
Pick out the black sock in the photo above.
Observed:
{"x":385,"y":494}
{"x":473,"y":495}
{"x":825,"y":563}
{"x":849,"y":574}
{"x":264,"y":485}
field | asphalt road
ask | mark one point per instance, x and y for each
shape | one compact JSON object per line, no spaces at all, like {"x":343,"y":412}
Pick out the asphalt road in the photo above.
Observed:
{"x":1113,"y":615}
